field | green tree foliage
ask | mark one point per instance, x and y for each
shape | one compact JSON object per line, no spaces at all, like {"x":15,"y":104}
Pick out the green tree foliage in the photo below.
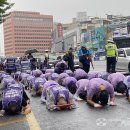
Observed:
{"x":4,"y":6}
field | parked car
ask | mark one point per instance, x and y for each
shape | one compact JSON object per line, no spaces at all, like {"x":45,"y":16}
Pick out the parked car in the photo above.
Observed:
{"x":77,"y":64}
{"x":123,"y":60}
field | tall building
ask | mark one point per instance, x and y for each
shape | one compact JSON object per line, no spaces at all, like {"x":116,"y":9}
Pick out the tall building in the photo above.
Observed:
{"x":27,"y":30}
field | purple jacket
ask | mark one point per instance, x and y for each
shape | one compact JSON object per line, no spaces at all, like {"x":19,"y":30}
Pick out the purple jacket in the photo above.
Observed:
{"x":36,"y":73}
{"x":38,"y":81}
{"x":92,"y":74}
{"x":57,"y":92}
{"x":69,"y":72}
{"x":6,"y":82}
{"x":103,"y":75}
{"x":12,"y":95}
{"x":82,"y":85}
{"x":43,"y":76}
{"x":63,"y":75}
{"x":48,"y":76}
{"x":48,"y":84}
{"x":94,"y":85}
{"x":55,"y":77}
{"x":18,"y":86}
{"x":68,"y":80}
{"x":80,"y":73}
{"x":30,"y":80}
{"x":115,"y":78}
{"x":50,"y":71}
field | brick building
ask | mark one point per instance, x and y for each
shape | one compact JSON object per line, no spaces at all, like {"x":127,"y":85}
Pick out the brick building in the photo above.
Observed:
{"x":26,"y":30}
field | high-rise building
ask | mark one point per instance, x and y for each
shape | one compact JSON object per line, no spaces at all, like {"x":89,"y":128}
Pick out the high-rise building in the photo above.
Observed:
{"x":26,"y":30}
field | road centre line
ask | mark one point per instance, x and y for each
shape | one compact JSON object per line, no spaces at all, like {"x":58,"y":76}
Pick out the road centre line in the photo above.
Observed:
{"x":16,"y":120}
{"x":33,"y":124}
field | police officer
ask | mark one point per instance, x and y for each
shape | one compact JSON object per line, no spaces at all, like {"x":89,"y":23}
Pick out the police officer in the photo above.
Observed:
{"x":111,"y":54}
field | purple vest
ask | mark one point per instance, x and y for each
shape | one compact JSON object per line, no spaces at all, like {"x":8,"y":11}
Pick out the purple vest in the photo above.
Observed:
{"x":103,"y":75}
{"x":17,"y":74}
{"x":63,"y":75}
{"x":48,"y":76}
{"x":36,"y":73}
{"x":2,"y":74}
{"x":6,"y":82}
{"x":49,"y":71}
{"x":17,"y":86}
{"x":69,"y":72}
{"x":30,"y":80}
{"x":23,"y":76}
{"x":56,"y":91}
{"x":38,"y":81}
{"x":12,"y":95}
{"x":43,"y":76}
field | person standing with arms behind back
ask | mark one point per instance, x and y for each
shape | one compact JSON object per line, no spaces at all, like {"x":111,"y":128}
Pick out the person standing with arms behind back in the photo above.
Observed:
{"x":85,"y":58}
{"x":111,"y":53}
{"x":69,"y":58}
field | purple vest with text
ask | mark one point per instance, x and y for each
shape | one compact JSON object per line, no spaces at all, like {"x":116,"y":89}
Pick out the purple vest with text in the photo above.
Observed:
{"x":37,"y":82}
{"x":12,"y":95}
{"x":56,"y":91}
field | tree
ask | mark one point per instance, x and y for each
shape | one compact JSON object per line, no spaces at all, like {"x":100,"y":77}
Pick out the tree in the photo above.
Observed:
{"x":4,"y":6}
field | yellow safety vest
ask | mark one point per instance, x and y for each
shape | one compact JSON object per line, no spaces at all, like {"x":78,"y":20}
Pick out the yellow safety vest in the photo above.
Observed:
{"x":110,"y":50}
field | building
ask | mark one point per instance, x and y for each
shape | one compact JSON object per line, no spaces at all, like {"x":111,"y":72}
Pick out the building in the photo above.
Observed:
{"x":27,"y":30}
{"x":82,"y":16}
{"x":118,"y":21}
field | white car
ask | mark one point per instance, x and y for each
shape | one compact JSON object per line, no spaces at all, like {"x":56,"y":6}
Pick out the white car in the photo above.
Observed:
{"x":123,"y":61}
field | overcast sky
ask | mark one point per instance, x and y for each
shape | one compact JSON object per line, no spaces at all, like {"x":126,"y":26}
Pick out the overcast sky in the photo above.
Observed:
{"x":65,"y":10}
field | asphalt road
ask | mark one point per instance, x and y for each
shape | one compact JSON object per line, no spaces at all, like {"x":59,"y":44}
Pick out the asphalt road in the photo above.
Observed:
{"x":83,"y":117}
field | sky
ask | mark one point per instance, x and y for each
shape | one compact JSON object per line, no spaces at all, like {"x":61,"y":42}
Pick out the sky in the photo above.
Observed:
{"x":64,"y":10}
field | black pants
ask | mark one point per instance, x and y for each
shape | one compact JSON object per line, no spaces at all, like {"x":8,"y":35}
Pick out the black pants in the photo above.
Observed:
{"x":86,"y":67}
{"x":111,"y":64}
{"x":71,"y":66}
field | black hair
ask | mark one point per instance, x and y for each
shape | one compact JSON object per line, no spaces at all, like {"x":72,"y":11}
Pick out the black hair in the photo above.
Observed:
{"x":121,"y":87}
{"x":83,"y":95}
{"x":62,"y":65}
{"x":103,"y":97}
{"x":12,"y":108}
{"x":72,"y":88}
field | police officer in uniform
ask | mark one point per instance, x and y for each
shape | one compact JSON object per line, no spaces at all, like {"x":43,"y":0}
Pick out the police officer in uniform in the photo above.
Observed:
{"x":111,"y":53}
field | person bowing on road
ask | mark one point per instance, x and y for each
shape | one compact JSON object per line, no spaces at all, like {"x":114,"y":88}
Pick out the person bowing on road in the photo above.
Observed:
{"x":98,"y":93}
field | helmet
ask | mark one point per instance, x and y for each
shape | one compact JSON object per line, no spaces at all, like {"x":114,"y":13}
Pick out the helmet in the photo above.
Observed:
{"x":110,"y":40}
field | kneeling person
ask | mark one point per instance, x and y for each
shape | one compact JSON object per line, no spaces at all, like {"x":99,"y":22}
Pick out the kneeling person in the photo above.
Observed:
{"x":82,"y":87}
{"x":58,"y":98}
{"x":13,"y":102}
{"x":37,"y":86}
{"x":98,"y":93}
{"x":116,"y":79}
